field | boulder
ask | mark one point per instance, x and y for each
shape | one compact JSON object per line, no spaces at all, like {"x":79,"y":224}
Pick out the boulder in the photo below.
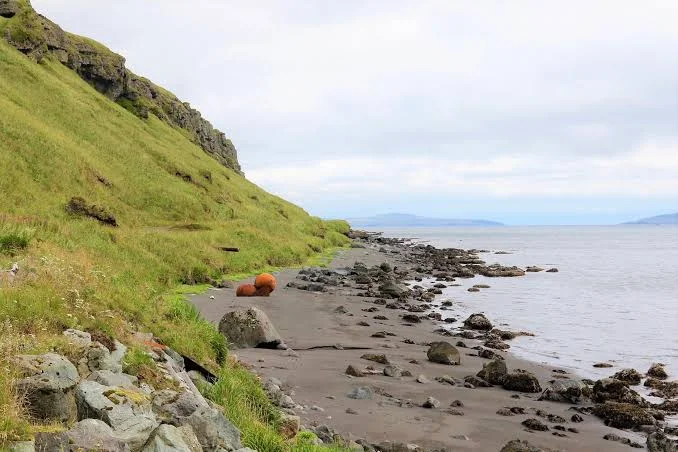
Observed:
{"x":474,"y":381}
{"x":535,"y":424}
{"x":659,"y":442}
{"x":377,"y":358}
{"x":623,"y":415}
{"x":517,"y":445}
{"x":109,"y":378}
{"x":172,"y":407}
{"x":630,"y":376}
{"x":9,"y":8}
{"x":214,"y":432}
{"x":390,"y":289}
{"x":657,"y":371}
{"x":521,"y":381}
{"x":90,"y":435}
{"x":289,"y":425}
{"x":431,"y":402}
{"x":168,"y":438}
{"x":443,"y":353}
{"x":249,"y":328}
{"x":48,"y":382}
{"x":361,"y":393}
{"x":566,"y":391}
{"x":393,"y":371}
{"x":610,"y":389}
{"x":127,"y":411}
{"x":478,"y":322}
{"x":77,"y":337}
{"x":354,"y":371}
{"x":101,"y":358}
{"x":494,"y":372}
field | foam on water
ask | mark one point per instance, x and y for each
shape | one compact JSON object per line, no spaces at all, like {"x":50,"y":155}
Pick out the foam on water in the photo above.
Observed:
{"x":614,"y":299}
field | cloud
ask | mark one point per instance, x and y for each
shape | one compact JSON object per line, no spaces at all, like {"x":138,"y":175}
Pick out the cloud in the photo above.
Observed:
{"x":500,"y":98}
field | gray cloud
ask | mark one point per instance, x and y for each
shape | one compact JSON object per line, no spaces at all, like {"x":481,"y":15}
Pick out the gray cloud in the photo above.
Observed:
{"x":300,"y":84}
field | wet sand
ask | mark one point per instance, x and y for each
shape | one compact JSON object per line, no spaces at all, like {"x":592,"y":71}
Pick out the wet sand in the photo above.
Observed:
{"x":315,"y":373}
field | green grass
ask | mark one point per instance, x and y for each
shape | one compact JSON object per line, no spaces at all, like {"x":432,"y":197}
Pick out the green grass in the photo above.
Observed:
{"x":61,"y":139}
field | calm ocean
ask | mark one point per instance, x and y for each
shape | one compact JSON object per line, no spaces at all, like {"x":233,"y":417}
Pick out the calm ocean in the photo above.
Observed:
{"x":614,"y":299}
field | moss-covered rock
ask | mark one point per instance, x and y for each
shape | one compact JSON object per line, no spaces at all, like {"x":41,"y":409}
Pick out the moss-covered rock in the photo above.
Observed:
{"x":623,"y":415}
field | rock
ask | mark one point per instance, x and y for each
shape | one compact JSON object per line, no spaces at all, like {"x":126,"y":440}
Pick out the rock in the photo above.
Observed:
{"x":659,"y":442}
{"x":109,"y":378}
{"x":100,"y":358}
{"x":443,"y":353}
{"x":411,"y":318}
{"x":552,"y":270}
{"x":172,"y":407}
{"x":446,"y":379}
{"x":363,"y":323}
{"x":623,"y":415}
{"x":214,"y":432}
{"x":521,"y":381}
{"x":326,"y":434}
{"x":494,"y":372}
{"x":90,"y":435}
{"x":289,"y":426}
{"x":51,"y":441}
{"x":478,"y":322}
{"x":341,"y":310}
{"x":48,"y":382}
{"x":168,"y":438}
{"x":576,"y":418}
{"x":664,"y":389}
{"x":534,"y":269}
{"x":630,"y":376}
{"x":496,"y":344}
{"x":351,"y":411}
{"x":431,"y":402}
{"x":381,"y":359}
{"x":9,"y":8}
{"x":422,"y":379}
{"x":566,"y":391}
{"x":657,"y":371}
{"x":610,"y":389}
{"x":127,"y":411}
{"x":517,"y":445}
{"x":602,"y":365}
{"x":535,"y":424}
{"x":476,"y":382}
{"x":77,"y":337}
{"x":505,"y":412}
{"x":249,"y":328}
{"x":453,"y":411}
{"x":354,"y":371}
{"x":393,"y":371}
{"x":489,"y":354}
{"x":391,"y":290}
{"x":361,"y":393}
{"x":473,"y":289}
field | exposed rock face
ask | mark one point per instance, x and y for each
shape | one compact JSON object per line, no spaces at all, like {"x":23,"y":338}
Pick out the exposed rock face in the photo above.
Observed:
{"x":38,"y":37}
{"x":443,"y":353}
{"x":214,"y":431}
{"x":566,"y":391}
{"x":249,"y":328}
{"x":168,"y":438}
{"x":478,"y":322}
{"x":494,"y":372}
{"x":48,"y":384}
{"x":521,"y":381}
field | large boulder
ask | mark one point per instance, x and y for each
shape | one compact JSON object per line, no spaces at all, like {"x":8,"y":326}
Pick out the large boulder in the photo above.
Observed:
{"x":659,"y":442}
{"x":90,"y":435}
{"x":630,"y":376}
{"x":566,"y":391}
{"x":9,"y":8}
{"x":494,"y":372}
{"x":48,"y":382}
{"x":214,"y":432}
{"x":168,"y":438}
{"x":610,"y":389}
{"x":250,"y":328}
{"x":521,"y":381}
{"x":443,"y":353}
{"x":623,"y":415}
{"x":172,"y":407}
{"x":478,"y":322}
{"x":127,"y":411}
{"x":657,"y":371}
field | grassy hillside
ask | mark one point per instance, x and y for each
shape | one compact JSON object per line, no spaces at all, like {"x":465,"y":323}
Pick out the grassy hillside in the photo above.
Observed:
{"x":174,"y":205}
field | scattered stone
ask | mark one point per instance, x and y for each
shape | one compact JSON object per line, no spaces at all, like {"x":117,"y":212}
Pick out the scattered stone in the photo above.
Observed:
{"x":354,"y":371}
{"x":473,"y":289}
{"x":489,"y":354}
{"x":340,"y":310}
{"x":473,"y":381}
{"x":168,"y":438}
{"x":576,"y":418}
{"x":552,"y":270}
{"x":213,"y":430}
{"x":411,"y":318}
{"x":657,"y":371}
{"x":363,"y":323}
{"x":535,"y":424}
{"x":478,"y":322}
{"x":446,"y":379}
{"x":249,"y":328}
{"x":602,"y":365}
{"x":351,"y":411}
{"x":431,"y":402}
{"x":521,"y":381}
{"x":517,"y":445}
{"x":453,"y":412}
{"x":443,"y":353}
{"x":505,"y":412}
{"x":393,"y":371}
{"x":381,"y":359}
{"x":623,"y":415}
{"x":361,"y":393}
{"x":422,"y":379}
{"x":566,"y":391}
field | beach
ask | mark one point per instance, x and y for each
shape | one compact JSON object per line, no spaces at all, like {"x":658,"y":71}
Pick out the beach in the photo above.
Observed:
{"x":328,"y":331}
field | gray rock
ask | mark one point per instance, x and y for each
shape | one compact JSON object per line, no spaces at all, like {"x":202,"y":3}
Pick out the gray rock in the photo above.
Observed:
{"x":168,"y":438}
{"x":566,"y":391}
{"x":478,"y":322}
{"x":48,"y":382}
{"x":361,"y":393}
{"x":393,"y":371}
{"x":109,"y":378}
{"x":517,"y":445}
{"x":79,"y":338}
{"x":494,"y":372}
{"x":630,"y":376}
{"x":431,"y":402}
{"x":214,"y":431}
{"x":172,"y":407}
{"x":535,"y":424}
{"x":250,"y":328}
{"x":199,"y":379}
{"x":99,"y":358}
{"x":90,"y":435}
{"x":521,"y":381}
{"x":610,"y":389}
{"x":659,"y":442}
{"x":9,"y":8}
{"x":51,"y":441}
{"x":443,"y":353}
{"x":422,"y":379}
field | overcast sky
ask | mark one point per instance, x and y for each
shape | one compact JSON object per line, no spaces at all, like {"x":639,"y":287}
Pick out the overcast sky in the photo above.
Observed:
{"x":525,"y":112}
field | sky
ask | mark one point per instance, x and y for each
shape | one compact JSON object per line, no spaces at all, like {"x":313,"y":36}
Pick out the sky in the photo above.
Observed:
{"x":525,"y":112}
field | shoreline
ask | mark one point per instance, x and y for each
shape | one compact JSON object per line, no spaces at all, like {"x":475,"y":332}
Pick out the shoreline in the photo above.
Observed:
{"x":317,"y":382}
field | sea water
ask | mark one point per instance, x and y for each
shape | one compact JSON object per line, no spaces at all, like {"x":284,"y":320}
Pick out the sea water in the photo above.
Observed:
{"x":614,"y":299}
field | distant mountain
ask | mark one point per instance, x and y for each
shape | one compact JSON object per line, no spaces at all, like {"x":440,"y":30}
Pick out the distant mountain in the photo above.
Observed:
{"x":669,"y":218}
{"x":407,"y":220}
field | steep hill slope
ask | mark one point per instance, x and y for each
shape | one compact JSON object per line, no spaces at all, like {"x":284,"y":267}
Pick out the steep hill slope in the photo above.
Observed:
{"x":69,"y":152}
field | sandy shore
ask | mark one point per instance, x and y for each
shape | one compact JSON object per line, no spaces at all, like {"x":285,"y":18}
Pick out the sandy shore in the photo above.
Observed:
{"x":316,"y":377}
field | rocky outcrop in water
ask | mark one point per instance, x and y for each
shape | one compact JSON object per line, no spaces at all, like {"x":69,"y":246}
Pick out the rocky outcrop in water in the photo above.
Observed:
{"x":38,"y":38}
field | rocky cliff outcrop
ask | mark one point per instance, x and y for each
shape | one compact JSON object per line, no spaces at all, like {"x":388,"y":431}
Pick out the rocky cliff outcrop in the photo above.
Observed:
{"x":39,"y":38}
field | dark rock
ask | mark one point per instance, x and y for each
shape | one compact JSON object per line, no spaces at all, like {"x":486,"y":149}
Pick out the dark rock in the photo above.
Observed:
{"x":623,"y":415}
{"x":630,"y":376}
{"x":566,"y":391}
{"x":534,"y":269}
{"x":411,"y":318}
{"x":657,"y":371}
{"x":505,"y":412}
{"x":443,"y":353}
{"x":341,"y":310}
{"x":517,"y":445}
{"x":494,"y":372}
{"x":496,"y":344}
{"x":354,"y":371}
{"x":9,"y":8}
{"x":602,"y":365}
{"x":249,"y":328}
{"x":552,"y":270}
{"x":453,"y":411}
{"x":446,"y":379}
{"x":460,"y":344}
{"x":554,"y":418}
{"x":615,"y":390}
{"x":380,"y":317}
{"x":489,"y":354}
{"x":51,"y":441}
{"x":521,"y":382}
{"x":478,"y":322}
{"x":659,"y":442}
{"x":381,"y":359}
{"x":431,"y":402}
{"x":576,"y":418}
{"x":363,"y":323}
{"x":535,"y":424}
{"x":473,"y":289}
{"x":476,"y":382}
{"x":664,"y":389}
